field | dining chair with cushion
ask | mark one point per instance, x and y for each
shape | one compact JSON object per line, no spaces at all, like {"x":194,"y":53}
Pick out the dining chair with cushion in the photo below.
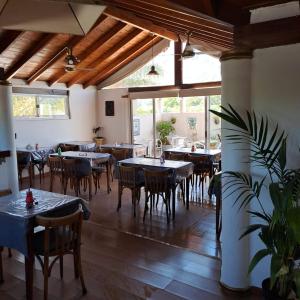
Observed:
{"x":110,"y":162}
{"x":55,"y":169}
{"x":24,"y":162}
{"x":133,"y":179}
{"x":202,"y":169}
{"x":61,"y":236}
{"x":158,"y":183}
{"x":77,"y":171}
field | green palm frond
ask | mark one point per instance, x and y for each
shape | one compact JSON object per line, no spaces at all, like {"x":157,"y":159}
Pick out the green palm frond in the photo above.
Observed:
{"x":267,"y":150}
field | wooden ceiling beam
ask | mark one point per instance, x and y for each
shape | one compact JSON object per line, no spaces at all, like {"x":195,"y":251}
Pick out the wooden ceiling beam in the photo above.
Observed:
{"x":90,"y":50}
{"x":266,"y":34}
{"x":75,"y":40}
{"x":185,"y":29}
{"x":181,"y":12}
{"x":18,"y":65}
{"x":200,"y":37}
{"x":123,"y":60}
{"x":7,"y":38}
{"x":79,"y":75}
{"x":143,"y":24}
{"x":147,"y":12}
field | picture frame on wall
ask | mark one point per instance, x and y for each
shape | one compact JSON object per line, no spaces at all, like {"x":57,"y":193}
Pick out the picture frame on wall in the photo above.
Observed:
{"x":109,"y":108}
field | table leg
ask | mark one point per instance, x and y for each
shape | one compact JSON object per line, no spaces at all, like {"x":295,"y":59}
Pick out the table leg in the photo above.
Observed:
{"x":29,"y":261}
{"x":173,"y":202}
{"x":31,"y":173}
{"x":187,"y":190}
{"x":107,"y":177}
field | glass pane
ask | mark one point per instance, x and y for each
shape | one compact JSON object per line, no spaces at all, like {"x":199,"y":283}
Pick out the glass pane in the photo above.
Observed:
{"x":142,"y":123}
{"x":52,"y":106}
{"x":201,"y":68}
{"x":215,"y":122}
{"x":170,"y":105}
{"x":24,"y":106}
{"x":164,"y":65}
{"x":193,"y":120}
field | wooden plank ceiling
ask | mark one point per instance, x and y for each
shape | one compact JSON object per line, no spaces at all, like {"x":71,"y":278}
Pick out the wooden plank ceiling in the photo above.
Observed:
{"x":125,"y":31}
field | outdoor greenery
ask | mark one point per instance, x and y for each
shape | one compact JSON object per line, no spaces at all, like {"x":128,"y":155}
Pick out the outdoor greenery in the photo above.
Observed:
{"x":171,"y":104}
{"x":38,"y":106}
{"x":164,"y":128}
{"x":279,"y":230}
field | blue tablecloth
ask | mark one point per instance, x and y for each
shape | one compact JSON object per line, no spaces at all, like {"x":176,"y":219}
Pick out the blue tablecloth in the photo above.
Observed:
{"x":16,"y":220}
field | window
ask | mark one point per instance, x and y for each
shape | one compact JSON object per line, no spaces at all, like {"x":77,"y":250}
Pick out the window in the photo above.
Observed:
{"x":40,"y":106}
{"x":194,"y":104}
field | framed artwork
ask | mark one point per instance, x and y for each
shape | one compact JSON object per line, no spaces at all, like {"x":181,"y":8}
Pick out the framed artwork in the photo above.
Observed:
{"x":109,"y":108}
{"x":136,"y":127}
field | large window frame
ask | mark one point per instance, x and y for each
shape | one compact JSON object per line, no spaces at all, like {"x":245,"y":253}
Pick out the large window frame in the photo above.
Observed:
{"x":206,"y":93}
{"x":39,"y":96}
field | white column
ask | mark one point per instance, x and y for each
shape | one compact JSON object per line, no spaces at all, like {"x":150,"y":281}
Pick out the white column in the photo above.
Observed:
{"x":236,"y":90}
{"x":7,"y":137}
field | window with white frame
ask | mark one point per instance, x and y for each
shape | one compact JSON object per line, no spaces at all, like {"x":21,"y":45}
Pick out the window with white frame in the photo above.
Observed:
{"x":39,"y":106}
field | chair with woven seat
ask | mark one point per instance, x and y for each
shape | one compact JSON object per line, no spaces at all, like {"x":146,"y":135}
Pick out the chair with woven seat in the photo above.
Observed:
{"x":61,"y":236}
{"x":158,"y":183}
{"x":133,"y":179}
{"x":202,"y":169}
{"x":55,"y":169}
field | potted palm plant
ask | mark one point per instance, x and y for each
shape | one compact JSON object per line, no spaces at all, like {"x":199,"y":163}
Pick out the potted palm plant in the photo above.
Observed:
{"x":279,"y":229}
{"x":164,"y":129}
{"x":99,"y":140}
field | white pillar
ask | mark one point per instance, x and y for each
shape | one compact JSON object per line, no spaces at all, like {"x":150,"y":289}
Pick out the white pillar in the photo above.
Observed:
{"x":7,"y":137}
{"x":236,"y":90}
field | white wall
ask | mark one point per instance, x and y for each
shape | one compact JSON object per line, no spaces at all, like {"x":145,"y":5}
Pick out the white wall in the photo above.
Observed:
{"x":116,"y":128}
{"x":51,"y":132}
{"x":276,"y":93}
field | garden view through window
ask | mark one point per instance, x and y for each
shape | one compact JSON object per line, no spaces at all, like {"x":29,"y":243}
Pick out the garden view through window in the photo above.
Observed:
{"x":40,"y":106}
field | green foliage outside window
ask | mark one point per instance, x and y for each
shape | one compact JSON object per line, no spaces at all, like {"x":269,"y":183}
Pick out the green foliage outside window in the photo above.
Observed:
{"x":171,"y":105}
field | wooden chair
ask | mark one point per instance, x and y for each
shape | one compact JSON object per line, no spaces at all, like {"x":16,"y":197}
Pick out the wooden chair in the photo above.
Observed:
{"x":158,"y":183}
{"x":66,"y":147}
{"x":40,"y":160}
{"x":24,"y":162}
{"x":55,"y":167}
{"x":117,"y":155}
{"x":202,"y":169}
{"x":180,"y":180}
{"x":77,"y":171}
{"x":131,"y":178}
{"x":61,"y":236}
{"x":111,"y":160}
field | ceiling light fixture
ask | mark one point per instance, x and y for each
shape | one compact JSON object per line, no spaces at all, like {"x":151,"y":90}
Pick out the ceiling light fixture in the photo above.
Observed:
{"x":188,"y":51}
{"x":152,"y":71}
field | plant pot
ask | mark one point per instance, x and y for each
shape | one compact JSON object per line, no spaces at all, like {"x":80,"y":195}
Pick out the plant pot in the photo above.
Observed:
{"x":99,"y":140}
{"x":269,"y":294}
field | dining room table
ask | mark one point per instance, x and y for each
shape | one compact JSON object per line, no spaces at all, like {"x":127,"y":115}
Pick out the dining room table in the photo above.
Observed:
{"x":17,"y":223}
{"x":37,"y":155}
{"x":184,"y":168}
{"x":93,"y":157}
{"x":214,"y":155}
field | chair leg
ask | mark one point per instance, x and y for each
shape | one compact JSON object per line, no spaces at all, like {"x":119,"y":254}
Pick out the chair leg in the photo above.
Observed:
{"x":1,"y":266}
{"x":9,"y":252}
{"x":51,"y":182}
{"x":46,"y":271}
{"x":120,"y":191}
{"x":90,"y":187}
{"x":146,"y":205}
{"x":78,"y":259}
{"x":61,"y":266}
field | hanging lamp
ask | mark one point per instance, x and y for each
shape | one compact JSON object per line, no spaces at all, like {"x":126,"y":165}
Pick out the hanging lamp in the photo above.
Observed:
{"x":152,"y":71}
{"x":188,"y":51}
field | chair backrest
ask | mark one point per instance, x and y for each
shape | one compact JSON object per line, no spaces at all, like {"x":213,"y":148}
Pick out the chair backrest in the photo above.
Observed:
{"x":128,"y":176}
{"x":61,"y":234}
{"x":54,"y":164}
{"x":83,"y":167}
{"x":23,"y":159}
{"x":158,"y":181}
{"x":119,"y":154}
{"x":103,"y":150}
{"x":202,"y":163}
{"x":65,"y":147}
{"x":177,"y":156}
{"x":69,"y":167}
